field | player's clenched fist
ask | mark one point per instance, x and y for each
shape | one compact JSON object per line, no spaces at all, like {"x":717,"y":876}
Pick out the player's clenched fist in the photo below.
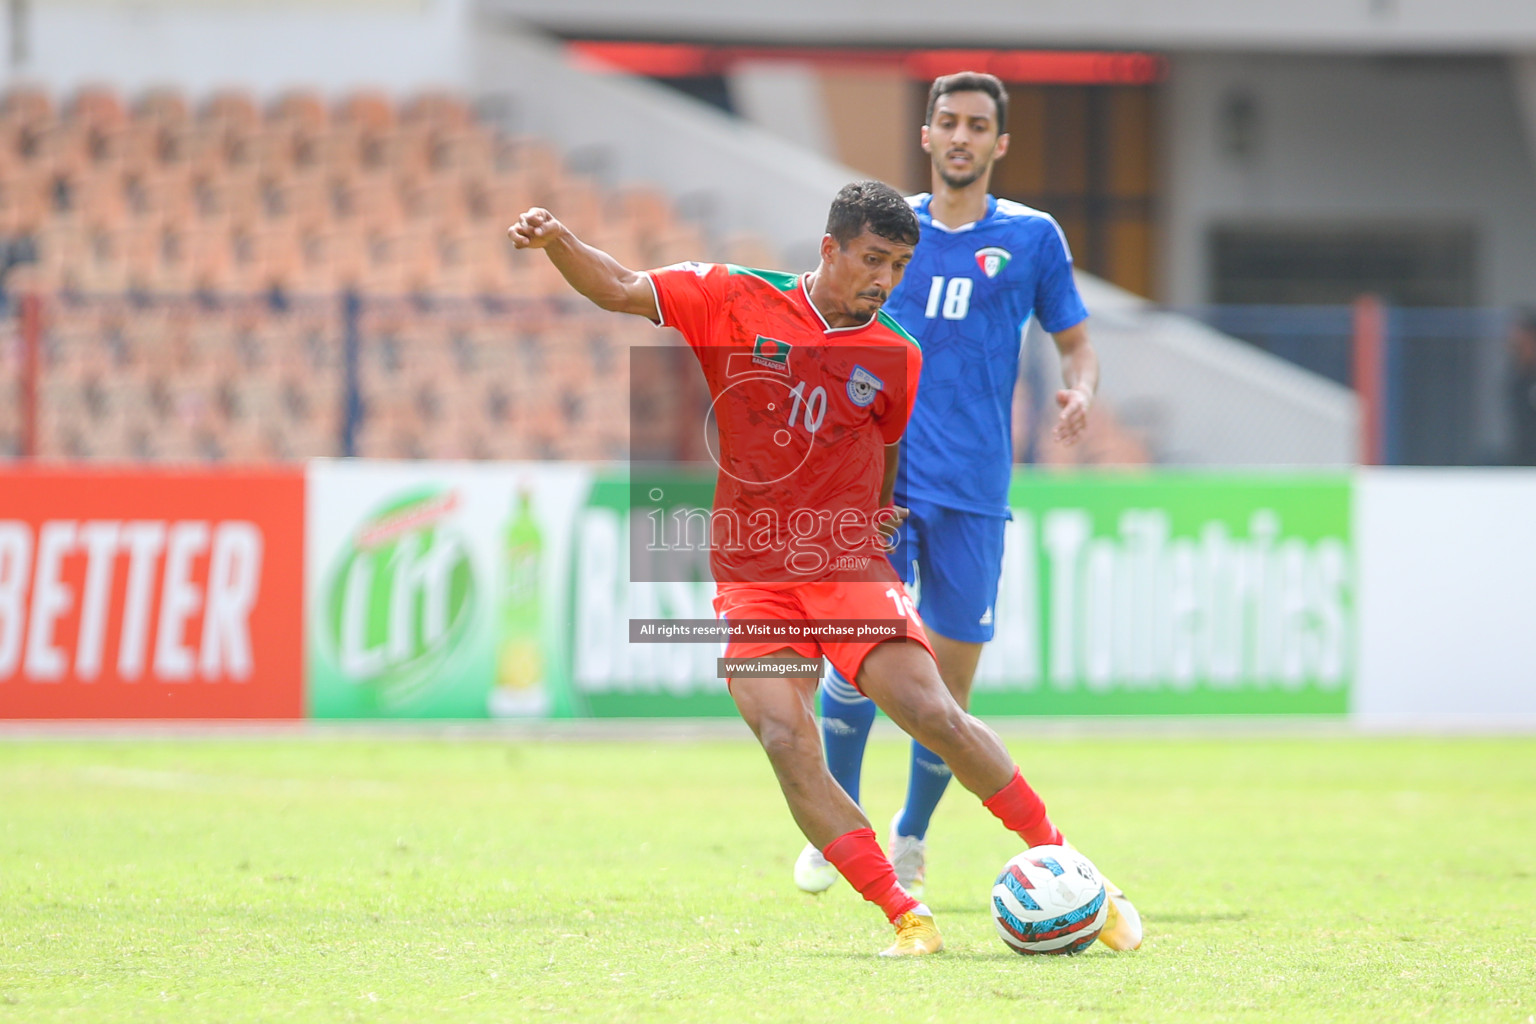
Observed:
{"x":535,"y":229}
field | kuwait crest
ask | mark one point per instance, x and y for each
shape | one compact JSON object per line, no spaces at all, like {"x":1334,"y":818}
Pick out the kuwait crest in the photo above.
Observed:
{"x":992,"y":260}
{"x":772,"y":353}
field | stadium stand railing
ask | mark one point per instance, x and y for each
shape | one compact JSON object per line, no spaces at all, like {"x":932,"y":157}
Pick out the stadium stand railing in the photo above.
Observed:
{"x":1444,"y":374}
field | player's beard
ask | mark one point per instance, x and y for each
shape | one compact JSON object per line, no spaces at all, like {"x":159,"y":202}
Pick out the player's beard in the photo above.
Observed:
{"x":957,"y":182}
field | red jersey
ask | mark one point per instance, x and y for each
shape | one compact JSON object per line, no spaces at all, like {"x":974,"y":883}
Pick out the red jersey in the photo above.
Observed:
{"x":804,"y":412}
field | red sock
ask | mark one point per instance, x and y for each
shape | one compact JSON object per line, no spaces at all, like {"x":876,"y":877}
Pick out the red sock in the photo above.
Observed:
{"x":1021,"y":810}
{"x":857,"y":856}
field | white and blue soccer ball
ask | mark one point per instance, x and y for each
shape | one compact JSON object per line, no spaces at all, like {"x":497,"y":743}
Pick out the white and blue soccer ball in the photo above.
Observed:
{"x":1049,"y":900}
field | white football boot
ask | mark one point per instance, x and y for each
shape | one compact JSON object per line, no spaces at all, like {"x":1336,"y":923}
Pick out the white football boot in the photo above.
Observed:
{"x":909,"y":858}
{"x":813,"y":872}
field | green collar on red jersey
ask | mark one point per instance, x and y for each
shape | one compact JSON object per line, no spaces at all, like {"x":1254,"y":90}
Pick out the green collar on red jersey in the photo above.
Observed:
{"x":786,"y":282}
{"x":778,"y":278}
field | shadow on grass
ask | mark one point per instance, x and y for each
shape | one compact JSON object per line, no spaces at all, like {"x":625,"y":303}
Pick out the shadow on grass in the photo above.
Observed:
{"x":956,"y":909}
{"x":969,"y":955}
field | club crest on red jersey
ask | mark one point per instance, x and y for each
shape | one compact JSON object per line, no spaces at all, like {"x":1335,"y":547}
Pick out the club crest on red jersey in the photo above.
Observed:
{"x":992,"y":260}
{"x":863,"y":386}
{"x":772,"y":353}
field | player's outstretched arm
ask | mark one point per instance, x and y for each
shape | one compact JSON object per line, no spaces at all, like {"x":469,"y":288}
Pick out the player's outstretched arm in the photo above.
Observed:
{"x":1080,"y":374}
{"x":592,"y":272}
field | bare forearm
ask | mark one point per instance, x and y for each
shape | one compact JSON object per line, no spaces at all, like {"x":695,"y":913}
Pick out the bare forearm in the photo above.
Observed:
{"x":595,"y":274}
{"x":592,"y":272}
{"x":888,"y":484}
{"x":1080,"y":374}
{"x":1079,"y":361}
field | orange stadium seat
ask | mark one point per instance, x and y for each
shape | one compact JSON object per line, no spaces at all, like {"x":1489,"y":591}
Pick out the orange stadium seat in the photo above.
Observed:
{"x":168,"y":191}
{"x":439,"y":109}
{"x":301,"y":108}
{"x":163,"y":107}
{"x":26,"y":104}
{"x":233,"y":107}
{"x":208,"y":212}
{"x":369,"y":109}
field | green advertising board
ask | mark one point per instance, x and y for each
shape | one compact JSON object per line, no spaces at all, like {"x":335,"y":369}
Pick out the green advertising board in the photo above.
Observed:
{"x":611,"y":677}
{"x":467,"y":591}
{"x":431,"y":589}
{"x":1173,"y":594}
{"x":1182,"y":594}
{"x":397,"y":613}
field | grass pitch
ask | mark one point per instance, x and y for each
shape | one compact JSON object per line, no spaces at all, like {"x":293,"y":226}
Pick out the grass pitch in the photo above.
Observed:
{"x":379,"y":879}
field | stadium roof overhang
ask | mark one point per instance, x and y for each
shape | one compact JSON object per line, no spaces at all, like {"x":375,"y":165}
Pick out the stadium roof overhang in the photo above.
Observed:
{"x":1384,"y":26}
{"x":1056,"y":67}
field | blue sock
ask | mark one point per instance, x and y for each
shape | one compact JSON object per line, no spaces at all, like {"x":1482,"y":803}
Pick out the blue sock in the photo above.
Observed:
{"x":846,"y":717}
{"x":926,"y":781}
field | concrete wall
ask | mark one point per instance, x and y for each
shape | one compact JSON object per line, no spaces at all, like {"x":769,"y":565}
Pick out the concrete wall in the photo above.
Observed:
{"x":742,"y":177}
{"x":785,"y":98}
{"x":1350,"y":140}
{"x":200,"y":47}
{"x":1444,"y":25}
{"x":875,"y":124}
{"x":1447,"y":588}
{"x":861,"y":117}
{"x":1202,"y":399}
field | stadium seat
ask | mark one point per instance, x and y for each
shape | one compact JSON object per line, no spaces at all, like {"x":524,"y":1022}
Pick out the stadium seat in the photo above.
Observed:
{"x":162,"y":107}
{"x":301,"y":108}
{"x":232,"y":107}
{"x":172,"y":231}
{"x":26,"y":104}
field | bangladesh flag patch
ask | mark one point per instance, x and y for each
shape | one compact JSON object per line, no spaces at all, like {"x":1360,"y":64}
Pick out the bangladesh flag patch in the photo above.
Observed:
{"x":772,"y":353}
{"x":992,"y":260}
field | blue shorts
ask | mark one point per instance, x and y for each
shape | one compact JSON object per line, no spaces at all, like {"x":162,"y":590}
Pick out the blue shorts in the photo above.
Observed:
{"x":954,"y":560}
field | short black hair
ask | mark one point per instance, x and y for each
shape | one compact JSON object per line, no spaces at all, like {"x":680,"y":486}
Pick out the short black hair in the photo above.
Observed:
{"x":971,"y":81}
{"x":873,"y":205}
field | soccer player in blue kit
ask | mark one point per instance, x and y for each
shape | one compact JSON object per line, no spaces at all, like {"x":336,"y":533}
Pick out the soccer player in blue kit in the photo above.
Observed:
{"x":983,"y":266}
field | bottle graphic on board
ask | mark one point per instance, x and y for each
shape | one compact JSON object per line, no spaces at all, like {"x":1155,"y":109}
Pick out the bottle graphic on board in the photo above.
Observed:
{"x":520,"y":689}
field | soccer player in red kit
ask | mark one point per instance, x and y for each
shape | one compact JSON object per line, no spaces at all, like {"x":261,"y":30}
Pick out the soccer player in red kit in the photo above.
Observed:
{"x":812,"y":387}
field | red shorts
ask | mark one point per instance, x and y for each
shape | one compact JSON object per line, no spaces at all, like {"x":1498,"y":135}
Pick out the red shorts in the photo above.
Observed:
{"x":863,"y":600}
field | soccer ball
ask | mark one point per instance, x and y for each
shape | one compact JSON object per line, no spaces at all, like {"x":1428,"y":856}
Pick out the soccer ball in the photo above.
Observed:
{"x":1050,"y":900}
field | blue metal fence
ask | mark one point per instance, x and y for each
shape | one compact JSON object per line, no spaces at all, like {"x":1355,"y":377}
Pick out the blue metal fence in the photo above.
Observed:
{"x":1446,"y":372}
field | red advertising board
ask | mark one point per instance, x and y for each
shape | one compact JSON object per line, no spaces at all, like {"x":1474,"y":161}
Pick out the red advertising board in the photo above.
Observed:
{"x":133,"y":593}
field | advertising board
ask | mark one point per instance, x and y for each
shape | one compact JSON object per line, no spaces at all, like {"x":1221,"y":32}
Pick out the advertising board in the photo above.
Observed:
{"x":141,"y":593}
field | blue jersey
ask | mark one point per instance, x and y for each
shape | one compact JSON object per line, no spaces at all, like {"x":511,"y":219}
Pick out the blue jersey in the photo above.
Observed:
{"x":967,"y":296}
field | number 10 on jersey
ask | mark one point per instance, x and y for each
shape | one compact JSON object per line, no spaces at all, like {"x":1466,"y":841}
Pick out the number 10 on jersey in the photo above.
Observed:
{"x":815,"y":407}
{"x":952,"y":300}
